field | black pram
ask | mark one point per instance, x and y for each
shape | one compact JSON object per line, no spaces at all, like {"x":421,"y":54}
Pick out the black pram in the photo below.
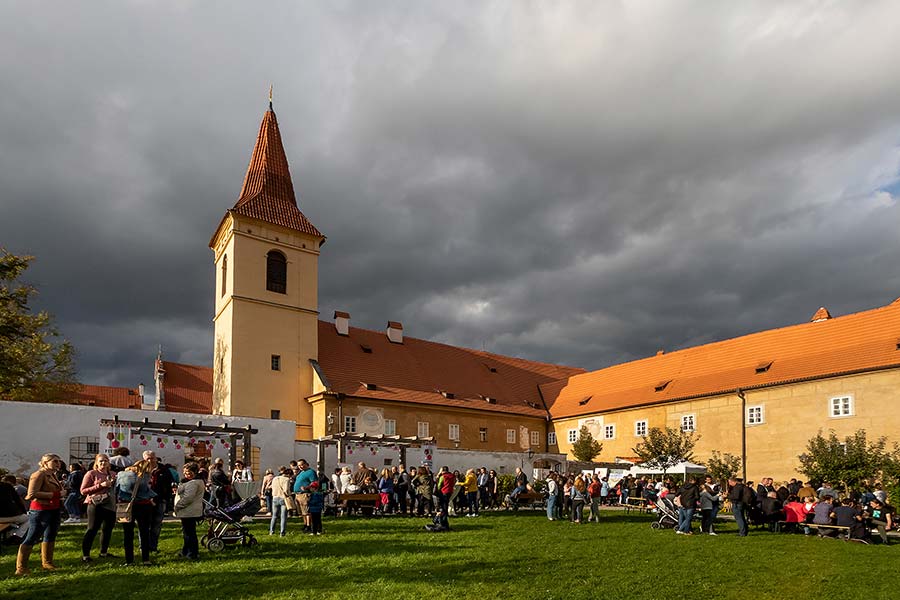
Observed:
{"x":225,"y":524}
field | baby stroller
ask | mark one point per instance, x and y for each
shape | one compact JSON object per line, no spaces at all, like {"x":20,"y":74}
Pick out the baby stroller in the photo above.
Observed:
{"x":668,"y":514}
{"x":225,"y":524}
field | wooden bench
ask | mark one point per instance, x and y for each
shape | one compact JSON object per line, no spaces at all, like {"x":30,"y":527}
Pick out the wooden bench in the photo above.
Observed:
{"x":347,"y":502}
{"x":637,"y":503}
{"x":533,"y":499}
{"x":817,"y":527}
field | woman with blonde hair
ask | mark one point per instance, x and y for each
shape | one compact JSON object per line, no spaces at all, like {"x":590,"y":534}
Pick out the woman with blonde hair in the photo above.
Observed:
{"x":44,"y":494}
{"x":133,"y":485}
{"x":97,"y":487}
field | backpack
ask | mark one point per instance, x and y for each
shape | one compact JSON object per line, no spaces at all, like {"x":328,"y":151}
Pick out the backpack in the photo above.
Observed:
{"x":746,"y":494}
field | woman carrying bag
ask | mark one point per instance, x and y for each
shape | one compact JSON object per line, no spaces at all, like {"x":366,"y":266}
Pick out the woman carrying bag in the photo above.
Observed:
{"x":135,"y":505}
{"x":97,"y":489}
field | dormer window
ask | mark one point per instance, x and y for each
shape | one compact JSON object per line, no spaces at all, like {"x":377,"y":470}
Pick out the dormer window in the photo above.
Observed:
{"x":662,"y":385}
{"x":763,"y":366}
{"x":584,"y":401}
{"x":276,"y":272}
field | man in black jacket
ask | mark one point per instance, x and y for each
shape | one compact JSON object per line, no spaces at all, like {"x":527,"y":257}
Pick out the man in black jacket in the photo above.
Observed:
{"x":688,"y":497}
{"x":740,"y":497}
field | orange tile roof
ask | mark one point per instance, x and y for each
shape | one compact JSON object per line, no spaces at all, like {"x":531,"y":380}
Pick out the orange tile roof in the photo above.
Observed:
{"x":268,"y":193}
{"x":188,"y":388}
{"x":858,"y":342}
{"x":418,"y":371}
{"x":107,"y":396}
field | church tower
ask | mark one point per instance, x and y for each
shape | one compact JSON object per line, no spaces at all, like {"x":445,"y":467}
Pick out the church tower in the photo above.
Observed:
{"x":266,"y":315}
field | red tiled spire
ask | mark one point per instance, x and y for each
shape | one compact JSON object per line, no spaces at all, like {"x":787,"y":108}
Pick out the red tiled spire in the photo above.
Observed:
{"x":268,"y":193}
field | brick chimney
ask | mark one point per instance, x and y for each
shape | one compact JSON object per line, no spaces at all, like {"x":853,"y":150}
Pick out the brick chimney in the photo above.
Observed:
{"x":342,"y":322}
{"x":395,"y":332}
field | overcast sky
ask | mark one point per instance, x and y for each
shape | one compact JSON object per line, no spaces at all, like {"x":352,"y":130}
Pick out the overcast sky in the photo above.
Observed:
{"x":579,"y":183}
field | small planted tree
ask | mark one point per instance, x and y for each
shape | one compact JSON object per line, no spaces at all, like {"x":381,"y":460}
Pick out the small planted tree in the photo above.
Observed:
{"x":723,"y":466}
{"x":664,"y":448}
{"x":586,"y":447}
{"x":849,"y":461}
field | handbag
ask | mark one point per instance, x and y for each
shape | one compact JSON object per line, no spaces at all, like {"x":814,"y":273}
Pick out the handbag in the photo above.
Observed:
{"x":125,"y":510}
{"x":99,"y":499}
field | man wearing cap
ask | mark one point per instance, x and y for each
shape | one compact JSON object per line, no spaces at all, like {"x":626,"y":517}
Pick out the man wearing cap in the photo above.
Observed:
{"x":305,"y":477}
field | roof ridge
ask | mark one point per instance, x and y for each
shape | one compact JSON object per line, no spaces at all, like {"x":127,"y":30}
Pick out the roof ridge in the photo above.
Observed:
{"x":472,"y":350}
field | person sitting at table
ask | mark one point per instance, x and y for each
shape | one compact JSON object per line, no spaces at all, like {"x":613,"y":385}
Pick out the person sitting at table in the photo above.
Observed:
{"x":850,"y":516}
{"x":822,"y":516}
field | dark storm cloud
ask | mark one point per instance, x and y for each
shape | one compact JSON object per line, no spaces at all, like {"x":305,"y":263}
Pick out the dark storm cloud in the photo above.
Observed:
{"x":582,"y":183}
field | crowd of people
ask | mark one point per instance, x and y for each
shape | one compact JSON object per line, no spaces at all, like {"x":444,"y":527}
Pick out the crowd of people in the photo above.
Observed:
{"x":138,"y":495}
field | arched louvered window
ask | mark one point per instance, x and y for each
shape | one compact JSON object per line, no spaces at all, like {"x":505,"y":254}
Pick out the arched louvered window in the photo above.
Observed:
{"x":276,"y":272}
{"x":224,"y":273}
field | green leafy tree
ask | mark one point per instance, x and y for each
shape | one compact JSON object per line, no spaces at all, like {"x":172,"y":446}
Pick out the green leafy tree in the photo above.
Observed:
{"x":586,"y":447}
{"x":35,"y":363}
{"x":849,"y":462}
{"x":665,"y":448}
{"x":722,"y":467}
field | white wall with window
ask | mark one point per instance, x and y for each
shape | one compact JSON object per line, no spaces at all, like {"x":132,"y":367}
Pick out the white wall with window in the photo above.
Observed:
{"x":422,"y":429}
{"x":551,"y":438}
{"x":572,"y":436}
{"x":390,"y":427}
{"x":510,"y":436}
{"x":640,"y":428}
{"x":841,"y":406}
{"x":453,"y":431}
{"x":688,"y":423}
{"x":755,"y":415}
{"x":609,"y":432}
{"x":350,"y":424}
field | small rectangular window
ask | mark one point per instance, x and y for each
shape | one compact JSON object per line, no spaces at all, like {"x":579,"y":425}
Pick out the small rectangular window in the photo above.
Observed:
{"x":609,"y":432}
{"x":482,"y":434}
{"x":422,"y":429}
{"x":551,"y":438}
{"x":640,"y":428}
{"x":687,"y":423}
{"x":754,"y":415}
{"x":350,"y":424}
{"x":535,"y":438}
{"x":572,"y":436}
{"x":510,"y":436}
{"x":453,"y":432}
{"x":276,"y":414}
{"x":276,"y":362}
{"x":390,"y":427}
{"x":842,"y":406}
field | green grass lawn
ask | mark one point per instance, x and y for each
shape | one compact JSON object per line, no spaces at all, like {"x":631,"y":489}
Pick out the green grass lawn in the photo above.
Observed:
{"x":497,"y":555}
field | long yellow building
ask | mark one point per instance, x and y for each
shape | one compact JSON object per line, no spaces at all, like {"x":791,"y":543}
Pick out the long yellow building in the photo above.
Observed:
{"x":760,"y":396}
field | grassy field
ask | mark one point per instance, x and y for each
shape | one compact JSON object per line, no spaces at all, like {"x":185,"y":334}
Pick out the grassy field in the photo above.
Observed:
{"x":497,"y":555}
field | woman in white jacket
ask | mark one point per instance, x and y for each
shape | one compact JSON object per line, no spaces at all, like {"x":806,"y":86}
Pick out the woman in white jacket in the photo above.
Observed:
{"x":189,"y":508}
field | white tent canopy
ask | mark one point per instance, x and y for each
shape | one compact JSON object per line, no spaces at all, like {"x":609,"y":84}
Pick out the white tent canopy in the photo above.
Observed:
{"x":683,"y":468}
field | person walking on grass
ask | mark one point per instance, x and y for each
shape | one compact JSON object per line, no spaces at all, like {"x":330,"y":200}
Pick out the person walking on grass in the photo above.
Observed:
{"x":552,"y":489}
{"x":45,"y":497}
{"x":594,"y":490}
{"x":281,"y":488}
{"x":688,"y":496}
{"x":741,"y":497}
{"x":189,"y":508}
{"x":97,"y":488}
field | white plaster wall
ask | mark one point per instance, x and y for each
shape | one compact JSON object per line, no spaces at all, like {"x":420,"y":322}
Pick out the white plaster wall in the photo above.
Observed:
{"x":28,"y":430}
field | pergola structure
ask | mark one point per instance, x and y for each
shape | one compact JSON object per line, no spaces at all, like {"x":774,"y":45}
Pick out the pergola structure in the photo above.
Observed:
{"x":187,"y":429}
{"x":400,"y":441}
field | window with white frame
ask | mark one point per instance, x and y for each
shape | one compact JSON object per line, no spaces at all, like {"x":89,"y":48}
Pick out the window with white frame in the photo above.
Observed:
{"x":510,"y":436}
{"x":842,"y":406}
{"x":755,"y":415}
{"x":572,"y":436}
{"x":609,"y":432}
{"x":687,"y":423}
{"x":482,"y":434}
{"x":453,"y":431}
{"x":640,"y":428}
{"x":390,"y":427}
{"x":350,"y":424}
{"x":422,"y":429}
{"x":535,"y":438}
{"x":551,"y":438}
